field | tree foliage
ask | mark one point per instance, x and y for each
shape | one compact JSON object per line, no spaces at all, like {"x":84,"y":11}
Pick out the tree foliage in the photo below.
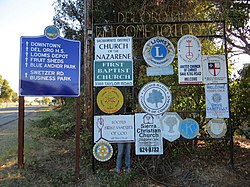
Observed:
{"x":6,"y":93}
{"x":240,"y":102}
{"x":237,"y":15}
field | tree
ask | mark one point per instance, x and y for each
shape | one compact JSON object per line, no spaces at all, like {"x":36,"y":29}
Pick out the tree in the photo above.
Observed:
{"x":46,"y":100}
{"x":6,"y":92}
{"x":15,"y":97}
{"x":155,"y":97}
{"x":240,"y":102}
{"x":237,"y":15}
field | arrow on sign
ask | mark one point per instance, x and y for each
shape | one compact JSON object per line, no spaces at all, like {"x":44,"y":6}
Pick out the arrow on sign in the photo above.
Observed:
{"x":26,"y":75}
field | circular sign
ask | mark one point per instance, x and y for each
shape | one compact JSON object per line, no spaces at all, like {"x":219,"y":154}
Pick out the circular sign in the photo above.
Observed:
{"x":110,"y":100}
{"x":51,"y":32}
{"x":216,"y":128}
{"x":189,"y":128}
{"x":189,"y":48}
{"x":102,"y":151}
{"x":155,"y":98}
{"x":158,"y":51}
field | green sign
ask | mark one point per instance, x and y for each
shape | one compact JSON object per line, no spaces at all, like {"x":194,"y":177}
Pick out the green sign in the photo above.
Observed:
{"x":113,"y":73}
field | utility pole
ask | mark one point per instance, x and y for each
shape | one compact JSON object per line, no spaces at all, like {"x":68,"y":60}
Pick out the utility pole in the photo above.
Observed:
{"x":87,"y":66}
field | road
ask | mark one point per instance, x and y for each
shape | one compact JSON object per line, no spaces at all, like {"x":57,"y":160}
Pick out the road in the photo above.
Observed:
{"x":10,"y":114}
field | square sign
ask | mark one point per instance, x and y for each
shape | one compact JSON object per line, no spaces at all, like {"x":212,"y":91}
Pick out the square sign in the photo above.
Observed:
{"x":148,"y":139}
{"x":114,"y":129}
{"x":214,"y":69}
{"x":49,"y":66}
{"x":217,"y":104}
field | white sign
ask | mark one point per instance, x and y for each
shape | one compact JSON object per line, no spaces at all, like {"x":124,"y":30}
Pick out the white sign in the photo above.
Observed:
{"x":170,"y":126}
{"x":113,"y":49}
{"x":155,"y":98}
{"x":158,"y":71}
{"x":216,"y":101}
{"x":214,"y":69}
{"x":114,"y":129}
{"x":216,"y":128}
{"x":189,"y":60}
{"x":158,"y":51}
{"x":148,"y":140}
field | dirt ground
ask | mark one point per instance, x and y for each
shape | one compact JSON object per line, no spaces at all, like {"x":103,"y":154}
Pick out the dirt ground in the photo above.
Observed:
{"x":50,"y":162}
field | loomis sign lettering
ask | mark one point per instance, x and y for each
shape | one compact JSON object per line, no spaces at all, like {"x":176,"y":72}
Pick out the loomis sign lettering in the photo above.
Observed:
{"x":50,"y":65}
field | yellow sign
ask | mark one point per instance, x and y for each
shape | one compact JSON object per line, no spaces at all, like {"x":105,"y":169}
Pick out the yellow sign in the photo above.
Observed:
{"x":110,"y":100}
{"x":102,"y":151}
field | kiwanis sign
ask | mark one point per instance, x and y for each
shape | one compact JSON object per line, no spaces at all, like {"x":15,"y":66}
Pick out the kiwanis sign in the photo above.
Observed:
{"x":113,"y":65}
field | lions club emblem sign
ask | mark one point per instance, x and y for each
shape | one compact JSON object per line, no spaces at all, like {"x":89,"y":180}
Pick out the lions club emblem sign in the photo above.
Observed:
{"x":158,"y":52}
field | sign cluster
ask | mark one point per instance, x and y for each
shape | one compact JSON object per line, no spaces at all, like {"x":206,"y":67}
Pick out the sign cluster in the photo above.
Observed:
{"x":50,"y":66}
{"x":193,"y":68}
{"x":113,"y":66}
{"x":113,"y":69}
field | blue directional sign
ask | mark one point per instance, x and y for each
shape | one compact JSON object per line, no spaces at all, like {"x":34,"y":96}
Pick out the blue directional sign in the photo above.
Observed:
{"x":49,"y":66}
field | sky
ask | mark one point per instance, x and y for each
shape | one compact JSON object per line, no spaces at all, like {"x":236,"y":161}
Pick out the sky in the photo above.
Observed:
{"x":20,"y":18}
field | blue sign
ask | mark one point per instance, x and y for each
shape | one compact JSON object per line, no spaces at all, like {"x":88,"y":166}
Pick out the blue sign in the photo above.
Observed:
{"x":50,"y":66}
{"x":189,"y":128}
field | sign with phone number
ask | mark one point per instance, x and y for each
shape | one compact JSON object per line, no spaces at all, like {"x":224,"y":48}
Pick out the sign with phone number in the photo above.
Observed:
{"x":149,"y":149}
{"x":148,"y":139}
